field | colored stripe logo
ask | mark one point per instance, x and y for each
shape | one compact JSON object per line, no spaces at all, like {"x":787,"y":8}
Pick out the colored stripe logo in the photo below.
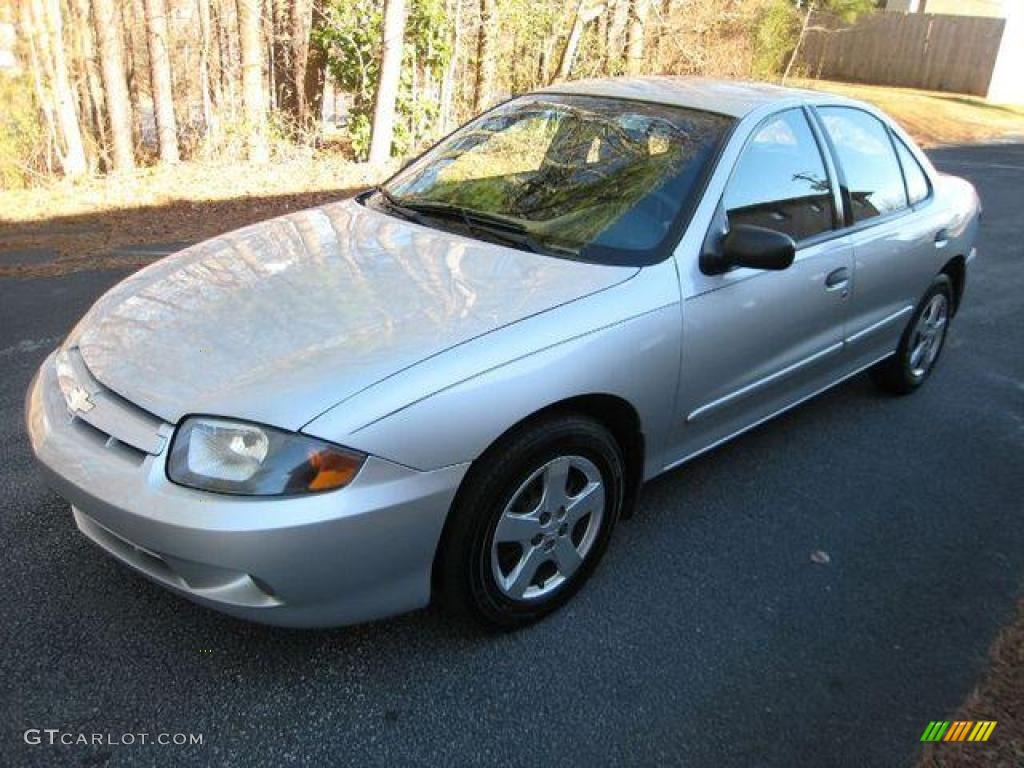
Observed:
{"x":958,"y":730}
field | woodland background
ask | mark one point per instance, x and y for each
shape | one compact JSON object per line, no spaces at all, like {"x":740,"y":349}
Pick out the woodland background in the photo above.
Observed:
{"x":110,"y":86}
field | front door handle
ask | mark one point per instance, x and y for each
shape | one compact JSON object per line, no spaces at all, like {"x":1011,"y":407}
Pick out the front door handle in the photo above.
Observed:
{"x":941,"y":238}
{"x":838,"y":279}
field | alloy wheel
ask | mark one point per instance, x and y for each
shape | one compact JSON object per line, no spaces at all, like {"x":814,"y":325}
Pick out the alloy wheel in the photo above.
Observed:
{"x":928,"y":335}
{"x":547,"y":528}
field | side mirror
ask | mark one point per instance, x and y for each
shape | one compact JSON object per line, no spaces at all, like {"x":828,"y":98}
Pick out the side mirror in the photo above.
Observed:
{"x":746,"y":245}
{"x":758,"y":248}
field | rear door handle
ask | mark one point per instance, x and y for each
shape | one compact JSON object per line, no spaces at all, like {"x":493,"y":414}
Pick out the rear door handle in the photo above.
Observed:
{"x":942,"y":238}
{"x":837,"y":278}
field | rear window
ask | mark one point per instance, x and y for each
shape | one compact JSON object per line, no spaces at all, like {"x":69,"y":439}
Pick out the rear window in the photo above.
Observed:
{"x":868,"y":160}
{"x":917,"y":181}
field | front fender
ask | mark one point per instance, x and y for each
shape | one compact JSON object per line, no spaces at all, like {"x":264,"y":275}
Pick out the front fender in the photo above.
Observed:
{"x":637,"y":360}
{"x":624,"y":342}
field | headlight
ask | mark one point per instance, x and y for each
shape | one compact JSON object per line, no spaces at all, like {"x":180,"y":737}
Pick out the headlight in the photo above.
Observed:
{"x":251,"y":459}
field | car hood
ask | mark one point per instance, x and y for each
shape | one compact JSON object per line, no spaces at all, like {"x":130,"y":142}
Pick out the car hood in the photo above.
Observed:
{"x":279,"y":321}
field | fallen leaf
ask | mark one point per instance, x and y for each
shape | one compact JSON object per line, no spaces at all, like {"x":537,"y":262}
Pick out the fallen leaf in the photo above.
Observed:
{"x":819,"y":557}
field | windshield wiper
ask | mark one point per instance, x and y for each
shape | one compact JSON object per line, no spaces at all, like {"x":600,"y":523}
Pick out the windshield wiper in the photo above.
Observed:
{"x":395,"y":205}
{"x":480,"y":223}
{"x":493,"y":226}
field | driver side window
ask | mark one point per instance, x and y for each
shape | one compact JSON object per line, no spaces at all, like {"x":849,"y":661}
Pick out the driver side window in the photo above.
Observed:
{"x":780,"y":181}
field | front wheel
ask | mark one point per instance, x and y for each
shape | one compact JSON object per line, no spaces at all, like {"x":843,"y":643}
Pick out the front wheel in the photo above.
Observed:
{"x":532,"y":521}
{"x":921,"y":343}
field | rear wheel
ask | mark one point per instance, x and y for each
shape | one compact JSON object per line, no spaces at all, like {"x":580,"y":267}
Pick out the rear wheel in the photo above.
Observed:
{"x":532,"y":521}
{"x":921,"y":343}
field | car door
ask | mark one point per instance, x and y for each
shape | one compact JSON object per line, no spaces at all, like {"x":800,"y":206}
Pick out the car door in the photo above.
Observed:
{"x":755,"y":341}
{"x":893,"y":230}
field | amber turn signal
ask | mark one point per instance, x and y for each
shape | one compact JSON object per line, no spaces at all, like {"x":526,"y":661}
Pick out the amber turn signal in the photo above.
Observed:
{"x":332,"y":469}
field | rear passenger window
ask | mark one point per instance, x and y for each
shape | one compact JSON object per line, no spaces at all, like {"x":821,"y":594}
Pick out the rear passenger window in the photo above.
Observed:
{"x":780,"y":181}
{"x":917,"y":181}
{"x":868,"y":160}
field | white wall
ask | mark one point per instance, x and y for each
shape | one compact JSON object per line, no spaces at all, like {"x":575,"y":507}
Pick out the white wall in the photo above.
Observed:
{"x":1007,"y":83}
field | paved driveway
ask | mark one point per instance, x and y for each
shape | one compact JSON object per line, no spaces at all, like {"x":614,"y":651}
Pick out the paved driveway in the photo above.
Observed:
{"x":708,"y":637}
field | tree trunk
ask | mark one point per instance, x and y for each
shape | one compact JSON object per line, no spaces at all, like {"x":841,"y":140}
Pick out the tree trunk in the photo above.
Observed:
{"x":799,"y":41}
{"x":387,"y":84}
{"x":49,"y":22}
{"x":585,"y":13}
{"x":635,"y":36}
{"x":316,"y":69}
{"x":252,"y":79}
{"x":160,"y":80}
{"x":291,"y":54}
{"x":227,"y":29}
{"x":301,"y":27}
{"x":267,"y":43}
{"x":108,"y":35}
{"x":86,"y":74}
{"x":285,"y":96}
{"x":448,"y":83}
{"x":134,"y":18}
{"x":619,"y":12}
{"x":204,"y":62}
{"x":486,"y":65}
{"x":30,"y":32}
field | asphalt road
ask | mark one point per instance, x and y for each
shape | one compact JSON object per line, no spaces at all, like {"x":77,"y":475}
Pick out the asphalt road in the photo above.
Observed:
{"x":708,"y":637}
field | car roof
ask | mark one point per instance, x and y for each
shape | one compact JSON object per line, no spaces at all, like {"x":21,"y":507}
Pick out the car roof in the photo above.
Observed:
{"x":727,"y":97}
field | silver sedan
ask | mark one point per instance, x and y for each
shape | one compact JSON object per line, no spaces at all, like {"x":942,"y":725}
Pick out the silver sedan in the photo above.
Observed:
{"x":454,"y":385}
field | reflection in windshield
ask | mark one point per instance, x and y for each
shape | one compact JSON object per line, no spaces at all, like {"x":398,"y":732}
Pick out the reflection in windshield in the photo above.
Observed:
{"x":600,"y":179}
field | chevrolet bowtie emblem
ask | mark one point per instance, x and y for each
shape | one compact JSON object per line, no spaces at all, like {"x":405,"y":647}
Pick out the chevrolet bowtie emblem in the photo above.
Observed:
{"x":78,"y":399}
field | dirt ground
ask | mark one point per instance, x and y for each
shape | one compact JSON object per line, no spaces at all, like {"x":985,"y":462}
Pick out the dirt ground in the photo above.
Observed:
{"x":934,"y":118}
{"x":999,"y":697}
{"x":67,"y":227}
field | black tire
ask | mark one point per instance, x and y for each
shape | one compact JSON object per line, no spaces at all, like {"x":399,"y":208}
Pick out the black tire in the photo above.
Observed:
{"x":897,"y":374}
{"x":467,"y":583}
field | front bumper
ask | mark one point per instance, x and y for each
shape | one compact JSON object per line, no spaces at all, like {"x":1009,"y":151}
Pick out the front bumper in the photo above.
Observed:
{"x":360,"y":553}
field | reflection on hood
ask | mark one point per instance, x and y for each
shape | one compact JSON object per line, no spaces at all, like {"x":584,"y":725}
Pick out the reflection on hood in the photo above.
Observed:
{"x":281,"y":320}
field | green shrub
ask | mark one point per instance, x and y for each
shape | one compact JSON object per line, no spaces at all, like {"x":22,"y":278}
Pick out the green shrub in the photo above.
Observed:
{"x":775,"y":32}
{"x":351,"y":37}
{"x":20,"y":132}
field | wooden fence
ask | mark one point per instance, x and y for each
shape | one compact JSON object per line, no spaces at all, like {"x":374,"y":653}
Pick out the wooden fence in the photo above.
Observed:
{"x":917,"y":50}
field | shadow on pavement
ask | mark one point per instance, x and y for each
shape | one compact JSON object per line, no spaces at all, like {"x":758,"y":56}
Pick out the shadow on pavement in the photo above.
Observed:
{"x":127,"y":237}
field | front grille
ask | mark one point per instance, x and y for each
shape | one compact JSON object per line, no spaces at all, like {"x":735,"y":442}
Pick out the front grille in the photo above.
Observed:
{"x":121,"y":421}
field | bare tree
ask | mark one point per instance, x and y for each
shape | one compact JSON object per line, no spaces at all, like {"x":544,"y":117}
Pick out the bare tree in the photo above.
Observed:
{"x":203,"y":6}
{"x":314,"y":76}
{"x":615,"y":33}
{"x":453,"y":8}
{"x":387,"y":84}
{"x":799,"y":41}
{"x":252,"y":79}
{"x":108,"y":35}
{"x":160,"y":80}
{"x":292,"y":54}
{"x":301,"y":25}
{"x":635,"y":36}
{"x":91,"y":100}
{"x":228,"y":56}
{"x":133,"y":16}
{"x":486,"y":62}
{"x":48,"y":25}
{"x":586,"y":11}
{"x":39,"y":81}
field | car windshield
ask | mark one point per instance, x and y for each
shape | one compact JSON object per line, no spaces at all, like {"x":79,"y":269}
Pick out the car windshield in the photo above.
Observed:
{"x":597,"y":179}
